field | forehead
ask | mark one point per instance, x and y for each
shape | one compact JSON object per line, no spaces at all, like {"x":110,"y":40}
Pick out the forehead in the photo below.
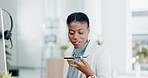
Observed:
{"x":78,"y":25}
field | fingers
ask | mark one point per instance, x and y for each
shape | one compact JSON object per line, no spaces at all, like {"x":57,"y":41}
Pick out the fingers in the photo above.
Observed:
{"x":77,"y":64}
{"x":68,"y":61}
{"x":83,"y":61}
{"x":74,"y":63}
{"x":81,"y":65}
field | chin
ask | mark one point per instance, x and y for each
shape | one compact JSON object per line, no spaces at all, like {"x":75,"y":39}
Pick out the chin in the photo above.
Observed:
{"x":77,"y":46}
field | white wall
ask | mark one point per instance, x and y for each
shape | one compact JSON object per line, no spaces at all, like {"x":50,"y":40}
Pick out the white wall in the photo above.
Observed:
{"x":139,"y":5}
{"x":30,"y":30}
{"x":140,"y":25}
{"x":116,"y":32}
{"x":93,"y":10}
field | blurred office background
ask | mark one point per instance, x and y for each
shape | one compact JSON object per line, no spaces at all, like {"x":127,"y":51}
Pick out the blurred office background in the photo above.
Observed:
{"x":40,"y":33}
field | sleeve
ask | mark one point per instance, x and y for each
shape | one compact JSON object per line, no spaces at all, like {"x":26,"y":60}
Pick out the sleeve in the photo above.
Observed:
{"x":65,"y":68}
{"x":103,"y":64}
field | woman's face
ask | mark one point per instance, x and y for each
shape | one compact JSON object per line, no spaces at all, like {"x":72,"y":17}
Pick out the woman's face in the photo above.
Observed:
{"x":78,"y":33}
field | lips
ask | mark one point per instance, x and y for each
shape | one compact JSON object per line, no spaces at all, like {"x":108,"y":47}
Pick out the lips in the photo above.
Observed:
{"x":76,"y":43}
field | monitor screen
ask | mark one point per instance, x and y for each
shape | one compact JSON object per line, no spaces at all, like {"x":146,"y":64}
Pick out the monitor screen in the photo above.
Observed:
{"x":3,"y":66}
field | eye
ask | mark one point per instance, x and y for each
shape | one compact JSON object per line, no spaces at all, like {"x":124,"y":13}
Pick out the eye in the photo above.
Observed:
{"x":71,"y":32}
{"x":81,"y":32}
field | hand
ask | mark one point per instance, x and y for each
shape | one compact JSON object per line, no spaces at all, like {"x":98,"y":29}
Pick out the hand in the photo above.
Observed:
{"x":83,"y":66}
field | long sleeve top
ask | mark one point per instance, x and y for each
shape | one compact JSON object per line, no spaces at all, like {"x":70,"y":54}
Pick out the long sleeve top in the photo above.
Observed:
{"x":98,"y":59}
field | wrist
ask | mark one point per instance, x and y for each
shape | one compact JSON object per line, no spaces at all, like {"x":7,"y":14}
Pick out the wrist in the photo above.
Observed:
{"x":92,"y":76}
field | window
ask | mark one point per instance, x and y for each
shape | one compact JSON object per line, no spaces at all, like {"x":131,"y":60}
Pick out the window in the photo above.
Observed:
{"x":140,"y":38}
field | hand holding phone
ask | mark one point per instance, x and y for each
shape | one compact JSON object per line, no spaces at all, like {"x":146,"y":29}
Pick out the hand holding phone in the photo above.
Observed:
{"x":71,"y":57}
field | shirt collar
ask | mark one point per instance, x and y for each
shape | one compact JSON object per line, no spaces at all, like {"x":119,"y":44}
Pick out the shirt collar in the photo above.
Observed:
{"x":80,"y":51}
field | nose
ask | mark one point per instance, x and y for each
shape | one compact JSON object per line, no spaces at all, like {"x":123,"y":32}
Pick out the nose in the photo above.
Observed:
{"x":76,"y":36}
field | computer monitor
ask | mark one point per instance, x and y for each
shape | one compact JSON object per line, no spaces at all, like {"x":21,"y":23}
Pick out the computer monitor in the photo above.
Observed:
{"x":3,"y":66}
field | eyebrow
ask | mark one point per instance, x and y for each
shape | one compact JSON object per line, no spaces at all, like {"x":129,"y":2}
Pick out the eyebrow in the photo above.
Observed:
{"x":77,"y":30}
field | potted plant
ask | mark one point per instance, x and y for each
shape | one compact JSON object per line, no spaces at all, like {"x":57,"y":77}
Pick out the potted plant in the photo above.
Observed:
{"x":143,"y":55}
{"x":142,"y":52}
{"x":99,"y":42}
{"x":8,"y":55}
{"x":14,"y":71}
{"x":63,"y":49}
{"x":5,"y":75}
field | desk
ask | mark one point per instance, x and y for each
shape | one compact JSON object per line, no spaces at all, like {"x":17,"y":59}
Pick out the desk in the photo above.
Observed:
{"x":55,"y":67}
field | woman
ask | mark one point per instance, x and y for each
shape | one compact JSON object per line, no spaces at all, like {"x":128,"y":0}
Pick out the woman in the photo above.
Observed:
{"x":97,"y":64}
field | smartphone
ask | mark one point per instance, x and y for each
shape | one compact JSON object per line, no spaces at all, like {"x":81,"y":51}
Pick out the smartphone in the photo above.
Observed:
{"x":68,"y":57}
{"x":71,"y":57}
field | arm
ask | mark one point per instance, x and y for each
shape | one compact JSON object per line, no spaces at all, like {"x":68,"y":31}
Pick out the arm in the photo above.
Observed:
{"x":103,"y":65}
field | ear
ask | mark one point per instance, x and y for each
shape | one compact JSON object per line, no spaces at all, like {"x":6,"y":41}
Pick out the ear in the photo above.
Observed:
{"x":88,"y":30}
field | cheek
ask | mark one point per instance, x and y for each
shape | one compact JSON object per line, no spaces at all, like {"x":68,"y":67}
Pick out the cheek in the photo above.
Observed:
{"x":84,"y":38}
{"x":70,"y":37}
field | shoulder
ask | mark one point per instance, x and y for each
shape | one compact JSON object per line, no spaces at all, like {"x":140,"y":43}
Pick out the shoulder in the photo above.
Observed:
{"x":99,"y":51}
{"x":69,"y":51}
{"x":95,"y":48}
